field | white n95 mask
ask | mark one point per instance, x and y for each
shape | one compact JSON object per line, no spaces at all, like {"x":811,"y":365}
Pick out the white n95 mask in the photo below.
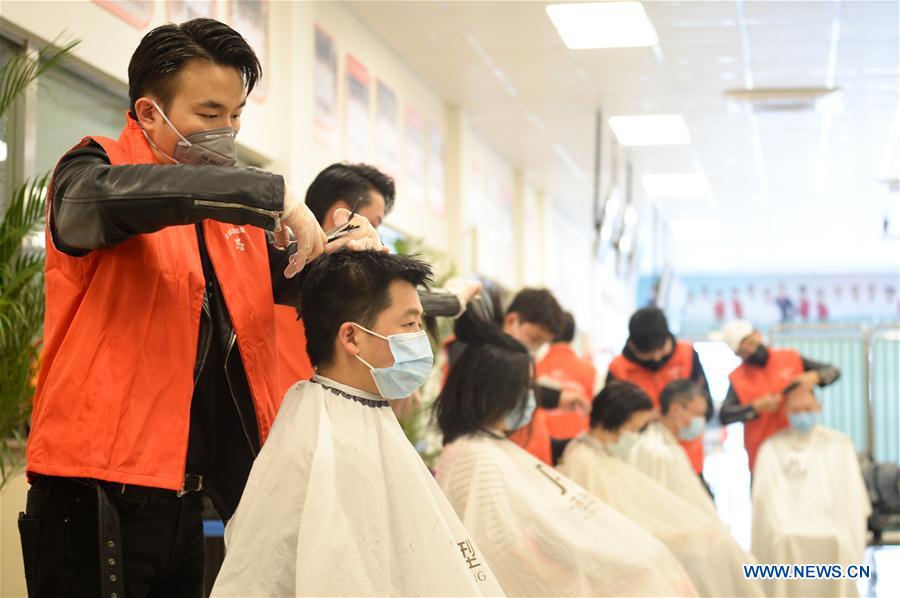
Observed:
{"x":413,"y":360}
{"x":213,"y":147}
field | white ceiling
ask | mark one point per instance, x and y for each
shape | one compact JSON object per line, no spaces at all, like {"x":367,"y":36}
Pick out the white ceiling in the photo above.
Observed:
{"x":790,"y":191}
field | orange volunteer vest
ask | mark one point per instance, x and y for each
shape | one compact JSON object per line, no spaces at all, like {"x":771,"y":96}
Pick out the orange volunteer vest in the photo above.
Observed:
{"x":120,"y":341}
{"x":679,"y":367}
{"x":293,"y":360}
{"x":751,"y":382}
{"x":562,"y":364}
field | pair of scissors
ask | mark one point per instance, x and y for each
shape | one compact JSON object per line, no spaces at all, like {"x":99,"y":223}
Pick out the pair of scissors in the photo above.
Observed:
{"x":341,"y":230}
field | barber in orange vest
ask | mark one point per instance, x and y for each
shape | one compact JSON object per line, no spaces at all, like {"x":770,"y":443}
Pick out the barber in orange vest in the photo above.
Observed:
{"x":158,"y":380}
{"x":574,"y":375}
{"x":652,"y":358}
{"x":755,"y":396}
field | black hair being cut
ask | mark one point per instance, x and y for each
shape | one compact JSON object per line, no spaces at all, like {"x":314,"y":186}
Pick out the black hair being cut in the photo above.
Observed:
{"x":350,"y":286}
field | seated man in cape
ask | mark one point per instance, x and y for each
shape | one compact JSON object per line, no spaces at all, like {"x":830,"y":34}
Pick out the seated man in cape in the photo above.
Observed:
{"x":338,"y":501}
{"x":810,"y":503}
{"x":658,"y":452}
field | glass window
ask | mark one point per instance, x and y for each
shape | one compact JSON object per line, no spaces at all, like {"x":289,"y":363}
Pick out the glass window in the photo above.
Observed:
{"x":70,"y":108}
{"x":7,"y":51}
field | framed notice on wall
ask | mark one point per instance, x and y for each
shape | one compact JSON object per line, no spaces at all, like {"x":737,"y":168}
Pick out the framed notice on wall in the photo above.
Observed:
{"x":135,"y":12}
{"x":250,"y":18}
{"x":179,"y":11}
{"x":436,"y":171}
{"x":413,"y":155}
{"x":325,"y":122}
{"x":387,"y":140}
{"x":357,"y":134}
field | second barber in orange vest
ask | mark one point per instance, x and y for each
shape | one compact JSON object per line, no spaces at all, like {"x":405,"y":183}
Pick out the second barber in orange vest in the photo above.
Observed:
{"x":338,"y":186}
{"x":575,"y":375}
{"x":652,"y":358}
{"x":755,"y":396}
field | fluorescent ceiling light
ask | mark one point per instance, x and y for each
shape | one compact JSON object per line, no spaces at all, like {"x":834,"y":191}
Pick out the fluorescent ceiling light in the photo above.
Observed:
{"x":651,"y":129}
{"x":603,"y":25}
{"x":681,"y":184}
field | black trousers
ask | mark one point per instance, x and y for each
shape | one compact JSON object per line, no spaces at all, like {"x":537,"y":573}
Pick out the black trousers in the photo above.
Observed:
{"x":162,"y":540}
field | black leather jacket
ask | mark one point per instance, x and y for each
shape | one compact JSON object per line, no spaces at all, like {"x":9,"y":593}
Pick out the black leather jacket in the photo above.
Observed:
{"x":96,"y":205}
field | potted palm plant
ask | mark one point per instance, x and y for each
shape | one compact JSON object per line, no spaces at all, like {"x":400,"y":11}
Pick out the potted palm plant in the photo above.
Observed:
{"x":21,"y":273}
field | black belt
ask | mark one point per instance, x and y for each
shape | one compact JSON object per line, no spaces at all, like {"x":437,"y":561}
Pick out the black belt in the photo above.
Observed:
{"x":112,"y":575}
{"x":112,"y":578}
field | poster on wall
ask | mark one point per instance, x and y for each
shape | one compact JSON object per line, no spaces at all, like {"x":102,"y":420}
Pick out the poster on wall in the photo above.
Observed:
{"x":700,"y":304}
{"x":357,"y":135}
{"x":325,"y":81}
{"x":413,"y":155}
{"x":386,"y":138}
{"x":436,"y":171}
{"x":135,"y":12}
{"x":179,"y":11}
{"x":495,"y":233}
{"x":250,"y":18}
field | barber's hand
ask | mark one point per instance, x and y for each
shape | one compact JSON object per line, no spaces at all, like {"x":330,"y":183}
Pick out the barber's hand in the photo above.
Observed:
{"x":364,"y":238}
{"x":808,"y":379}
{"x":573,"y":399}
{"x":299,"y":220}
{"x":766,"y":403}
{"x":464,"y":290}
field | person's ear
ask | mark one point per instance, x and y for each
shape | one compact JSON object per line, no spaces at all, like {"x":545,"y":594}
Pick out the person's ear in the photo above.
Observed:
{"x":147,"y":114}
{"x":328,"y":221}
{"x":347,"y":338}
{"x":510,"y":320}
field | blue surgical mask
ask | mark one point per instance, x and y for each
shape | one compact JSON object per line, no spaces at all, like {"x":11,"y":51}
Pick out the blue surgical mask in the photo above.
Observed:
{"x":693,"y":429}
{"x":518,"y":418}
{"x":623,"y":445}
{"x":803,"y":421}
{"x":413,"y":360}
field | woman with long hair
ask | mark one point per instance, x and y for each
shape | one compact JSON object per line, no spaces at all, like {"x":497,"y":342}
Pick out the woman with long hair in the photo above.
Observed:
{"x":541,"y":533}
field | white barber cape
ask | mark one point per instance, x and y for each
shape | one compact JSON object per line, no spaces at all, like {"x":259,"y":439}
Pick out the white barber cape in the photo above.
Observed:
{"x":702,"y":544}
{"x":810,"y":506}
{"x":546,"y":536}
{"x":339,"y":503}
{"x":659,"y":455}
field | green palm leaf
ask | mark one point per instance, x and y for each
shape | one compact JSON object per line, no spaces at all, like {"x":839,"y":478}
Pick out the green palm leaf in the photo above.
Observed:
{"x":24,"y":68}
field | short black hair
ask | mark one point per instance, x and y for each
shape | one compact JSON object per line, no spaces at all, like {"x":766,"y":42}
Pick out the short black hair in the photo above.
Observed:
{"x":614,"y":404}
{"x":680,"y":391}
{"x":648,"y":329}
{"x":350,"y":286}
{"x":567,"y":328}
{"x":489,"y":380}
{"x":164,"y":51}
{"x":343,"y":181}
{"x":538,"y":306}
{"x":791,"y":388}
